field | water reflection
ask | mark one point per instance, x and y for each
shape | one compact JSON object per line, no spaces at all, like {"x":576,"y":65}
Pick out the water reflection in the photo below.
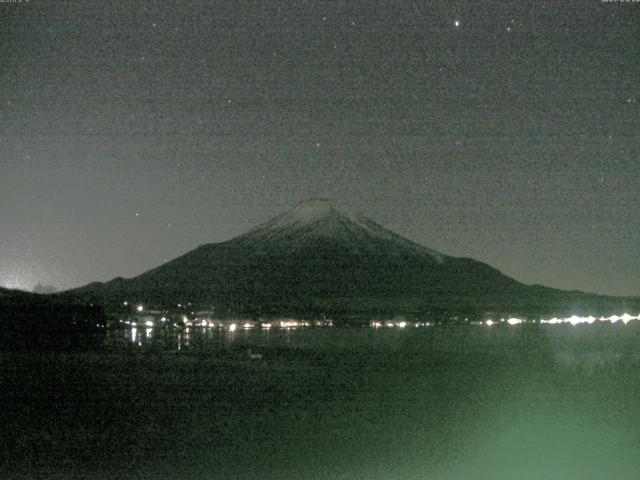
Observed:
{"x":380,"y":403}
{"x":222,"y":335}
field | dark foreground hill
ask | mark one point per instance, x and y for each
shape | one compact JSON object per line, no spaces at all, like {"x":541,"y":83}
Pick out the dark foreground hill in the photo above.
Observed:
{"x":30,"y":321}
{"x":320,"y":259}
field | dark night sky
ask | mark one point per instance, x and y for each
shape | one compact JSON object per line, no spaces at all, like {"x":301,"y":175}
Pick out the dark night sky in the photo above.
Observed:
{"x":506,"y":131}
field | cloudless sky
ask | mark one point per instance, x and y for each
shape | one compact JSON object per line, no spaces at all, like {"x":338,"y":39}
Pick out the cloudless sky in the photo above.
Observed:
{"x":134,"y":131}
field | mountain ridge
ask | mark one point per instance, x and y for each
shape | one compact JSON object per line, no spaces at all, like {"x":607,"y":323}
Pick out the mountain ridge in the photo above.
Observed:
{"x":321,"y":259}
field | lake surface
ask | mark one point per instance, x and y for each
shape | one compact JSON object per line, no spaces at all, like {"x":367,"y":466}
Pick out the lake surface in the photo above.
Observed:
{"x":543,"y":402}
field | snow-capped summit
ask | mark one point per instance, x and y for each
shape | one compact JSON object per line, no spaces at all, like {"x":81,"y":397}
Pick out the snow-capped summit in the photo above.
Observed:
{"x":319,"y":219}
{"x":309,"y":213}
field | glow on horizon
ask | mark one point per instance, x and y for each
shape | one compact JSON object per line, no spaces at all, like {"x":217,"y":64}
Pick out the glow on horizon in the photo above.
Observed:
{"x":15,"y":285}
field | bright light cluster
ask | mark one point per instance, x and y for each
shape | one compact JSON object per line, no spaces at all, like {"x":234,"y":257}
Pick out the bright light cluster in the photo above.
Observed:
{"x":576,"y":320}
{"x":400,"y":324}
{"x":288,"y":324}
{"x":291,"y":323}
{"x":246,"y":325}
{"x":573,"y":320}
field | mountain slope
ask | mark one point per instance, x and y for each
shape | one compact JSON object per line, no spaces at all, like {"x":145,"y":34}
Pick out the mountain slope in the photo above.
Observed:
{"x":319,"y":258}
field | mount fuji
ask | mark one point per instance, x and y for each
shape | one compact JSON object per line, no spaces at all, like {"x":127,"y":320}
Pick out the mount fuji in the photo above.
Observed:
{"x":319,"y":258}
